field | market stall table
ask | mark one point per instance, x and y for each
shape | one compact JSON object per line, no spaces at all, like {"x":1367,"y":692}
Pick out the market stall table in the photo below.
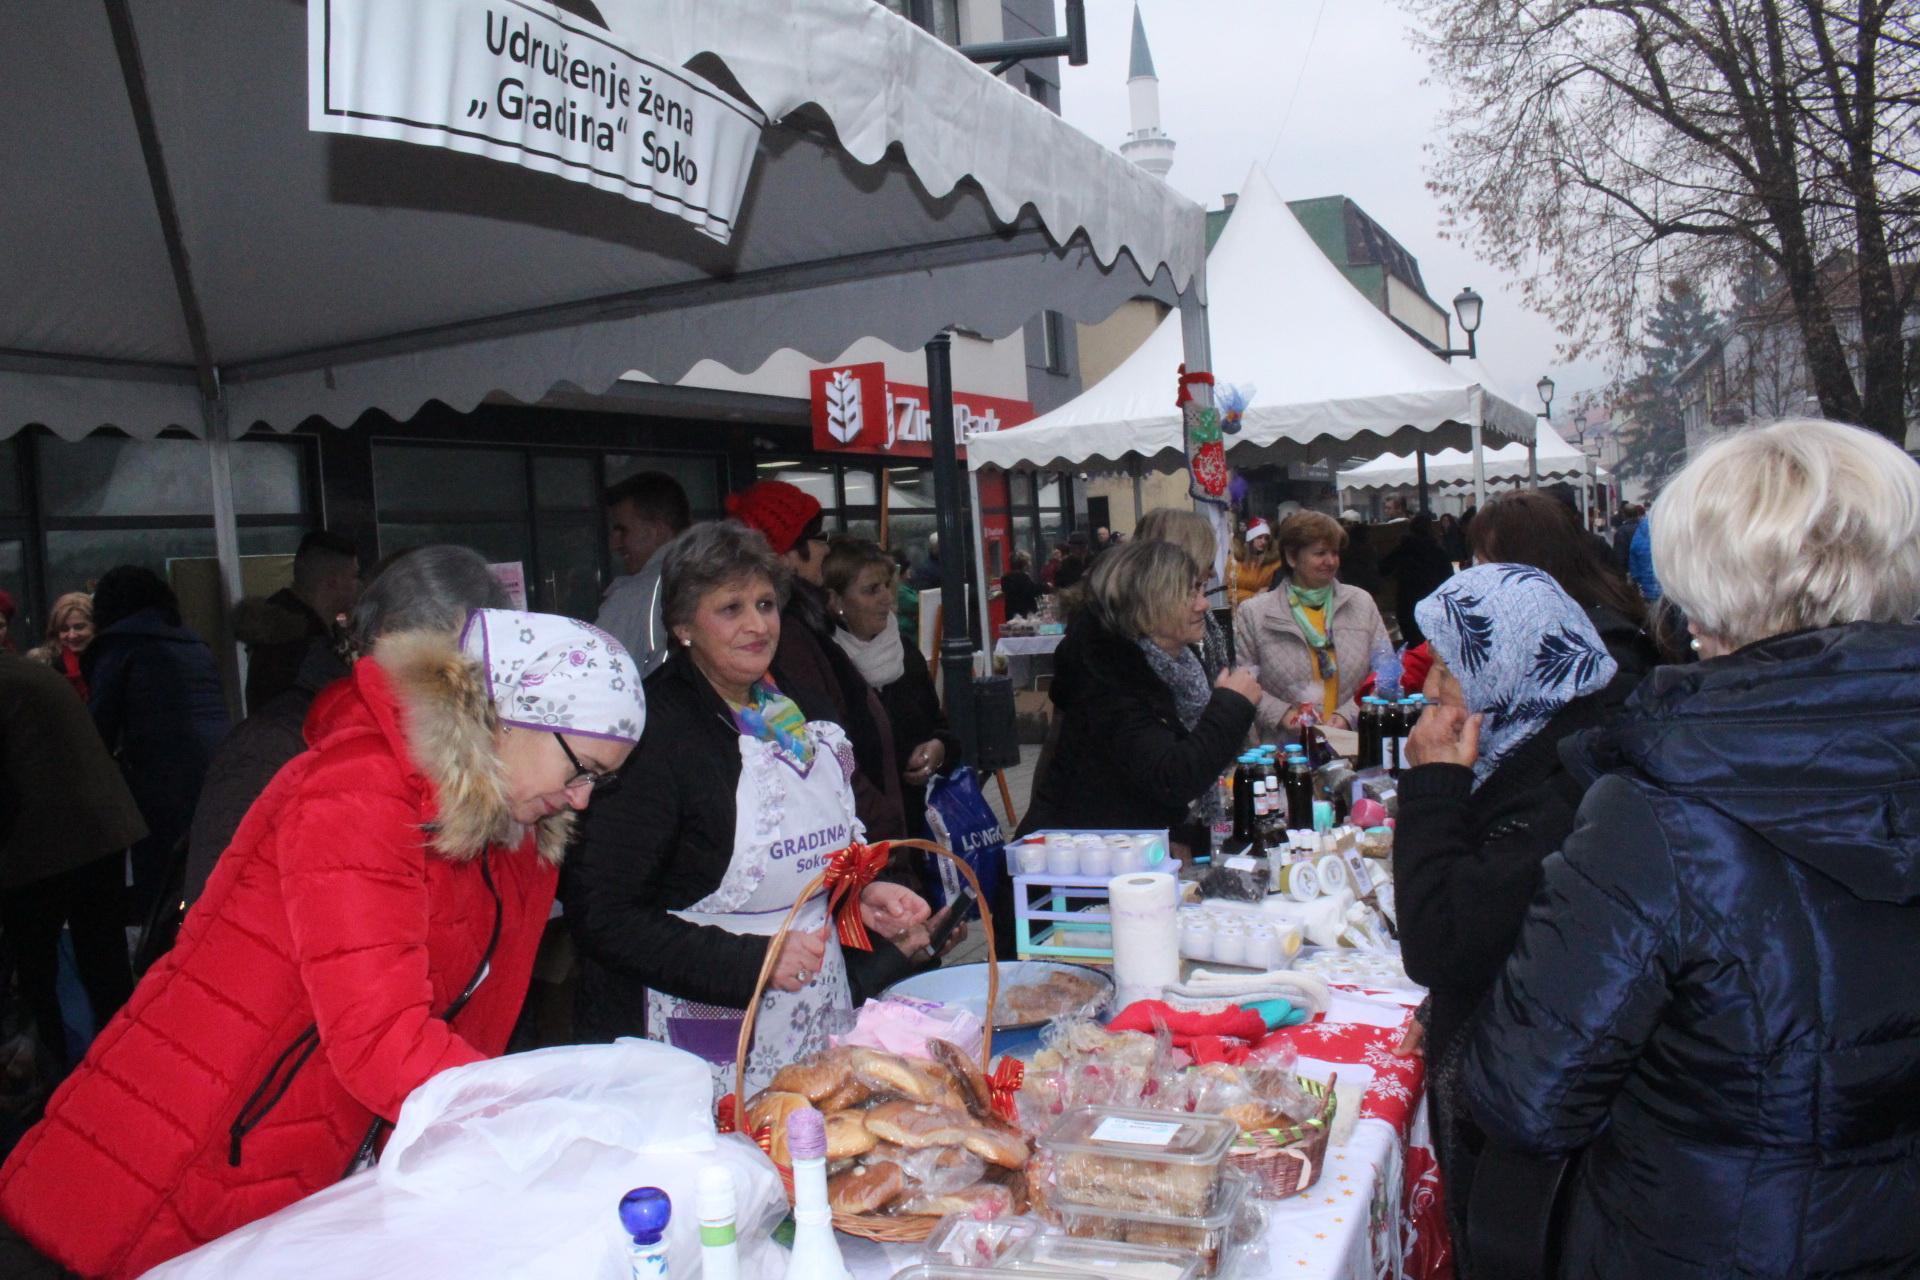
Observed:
{"x":1021,"y":652}
{"x":1376,"y":1210}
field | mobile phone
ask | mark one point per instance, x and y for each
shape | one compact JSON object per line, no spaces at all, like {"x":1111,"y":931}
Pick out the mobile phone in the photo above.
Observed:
{"x":951,"y":917}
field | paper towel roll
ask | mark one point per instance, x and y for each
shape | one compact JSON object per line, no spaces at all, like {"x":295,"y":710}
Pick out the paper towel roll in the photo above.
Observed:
{"x":1146,"y":934}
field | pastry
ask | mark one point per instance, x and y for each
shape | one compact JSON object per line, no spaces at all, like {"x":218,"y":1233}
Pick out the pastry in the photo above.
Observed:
{"x":988,"y":1199}
{"x":967,"y":1079}
{"x":1136,"y":1186}
{"x":771,"y":1108}
{"x":847,"y":1135}
{"x":866,"y":1188}
{"x":817,"y":1079}
{"x":896,"y":1077}
{"x":847,"y":1096}
{"x":917,"y":1126}
{"x":996,"y":1146}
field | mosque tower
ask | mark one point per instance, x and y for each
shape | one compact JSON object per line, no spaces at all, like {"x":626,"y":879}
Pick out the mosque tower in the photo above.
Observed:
{"x":1147,"y":145}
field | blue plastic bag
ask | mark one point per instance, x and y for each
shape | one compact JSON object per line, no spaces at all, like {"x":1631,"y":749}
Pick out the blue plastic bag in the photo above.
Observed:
{"x":962,"y":820}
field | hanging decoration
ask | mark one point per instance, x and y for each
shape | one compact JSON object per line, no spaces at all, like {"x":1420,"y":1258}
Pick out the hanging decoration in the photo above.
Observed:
{"x":1206,"y":448}
{"x":1232,"y":402}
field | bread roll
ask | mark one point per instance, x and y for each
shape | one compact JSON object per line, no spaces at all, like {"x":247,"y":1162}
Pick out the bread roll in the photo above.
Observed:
{"x":916,"y":1126}
{"x":815,"y":1079}
{"x":771,"y":1108}
{"x":997,"y":1146}
{"x":847,"y":1135}
{"x":866,"y":1188}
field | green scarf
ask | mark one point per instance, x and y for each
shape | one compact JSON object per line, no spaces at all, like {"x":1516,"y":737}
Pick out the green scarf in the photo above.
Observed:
{"x":1301,"y":599}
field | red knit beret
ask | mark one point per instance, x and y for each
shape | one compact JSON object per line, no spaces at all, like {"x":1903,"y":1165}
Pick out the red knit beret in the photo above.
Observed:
{"x":780,"y":511}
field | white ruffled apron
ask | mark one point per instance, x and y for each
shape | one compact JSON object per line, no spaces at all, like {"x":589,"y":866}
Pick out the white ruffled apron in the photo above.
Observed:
{"x":788,"y":822}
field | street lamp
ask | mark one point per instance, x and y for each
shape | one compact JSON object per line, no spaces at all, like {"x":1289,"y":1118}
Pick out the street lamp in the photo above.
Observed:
{"x":1466,"y":305}
{"x":1545,"y":388}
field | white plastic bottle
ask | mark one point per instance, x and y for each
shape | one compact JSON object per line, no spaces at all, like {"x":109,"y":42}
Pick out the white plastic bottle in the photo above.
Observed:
{"x":714,"y":1201}
{"x":816,"y":1254}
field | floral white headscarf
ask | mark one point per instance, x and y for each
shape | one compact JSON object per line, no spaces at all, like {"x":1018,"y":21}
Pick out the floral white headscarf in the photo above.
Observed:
{"x":1520,"y":648}
{"x":548,"y":672}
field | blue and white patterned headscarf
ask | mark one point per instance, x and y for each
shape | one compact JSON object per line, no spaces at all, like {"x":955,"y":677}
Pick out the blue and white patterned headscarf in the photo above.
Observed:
{"x":549,"y":672}
{"x":1520,"y":648}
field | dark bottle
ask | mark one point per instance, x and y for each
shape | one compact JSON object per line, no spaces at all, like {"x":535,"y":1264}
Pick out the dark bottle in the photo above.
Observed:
{"x":1299,"y":794}
{"x":1369,"y":751}
{"x":1243,"y":800}
{"x":1393,"y":727}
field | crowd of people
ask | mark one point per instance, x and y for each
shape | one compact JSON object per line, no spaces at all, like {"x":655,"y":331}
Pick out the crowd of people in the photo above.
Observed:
{"x":1655,"y":901}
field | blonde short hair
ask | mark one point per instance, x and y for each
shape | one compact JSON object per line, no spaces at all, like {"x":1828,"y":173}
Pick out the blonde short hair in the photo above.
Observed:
{"x":1141,"y":587}
{"x":1800,"y":524}
{"x":1184,"y":528}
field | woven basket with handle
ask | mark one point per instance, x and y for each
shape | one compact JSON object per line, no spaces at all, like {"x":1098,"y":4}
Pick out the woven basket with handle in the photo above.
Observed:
{"x":1288,"y":1160}
{"x":884,"y":1228}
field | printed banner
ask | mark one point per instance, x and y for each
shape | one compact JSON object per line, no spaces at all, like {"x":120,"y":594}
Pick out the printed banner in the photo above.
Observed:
{"x":856,"y":410}
{"x":528,"y":84}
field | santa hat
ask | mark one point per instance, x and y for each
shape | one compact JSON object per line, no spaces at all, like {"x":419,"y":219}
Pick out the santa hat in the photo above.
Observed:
{"x":785,"y":513}
{"x":1257,"y":528}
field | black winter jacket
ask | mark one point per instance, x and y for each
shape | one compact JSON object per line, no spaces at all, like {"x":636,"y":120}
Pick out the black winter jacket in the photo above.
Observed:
{"x":1467,"y":862}
{"x":1714,"y":992}
{"x":1122,"y":757}
{"x":913,"y":709}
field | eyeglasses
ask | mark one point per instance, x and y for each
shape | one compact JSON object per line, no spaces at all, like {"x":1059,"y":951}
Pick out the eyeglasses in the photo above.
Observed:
{"x":595,"y":780}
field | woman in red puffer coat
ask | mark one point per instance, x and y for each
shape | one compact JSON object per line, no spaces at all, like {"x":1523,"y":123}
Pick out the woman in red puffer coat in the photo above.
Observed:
{"x":408,"y":857}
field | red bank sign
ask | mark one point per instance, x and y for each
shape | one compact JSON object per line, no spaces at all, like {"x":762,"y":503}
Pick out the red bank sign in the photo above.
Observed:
{"x":856,"y":410}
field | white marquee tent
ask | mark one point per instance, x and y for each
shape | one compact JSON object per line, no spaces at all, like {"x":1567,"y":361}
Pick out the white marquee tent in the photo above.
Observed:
{"x":1334,"y":376}
{"x":1556,"y":460}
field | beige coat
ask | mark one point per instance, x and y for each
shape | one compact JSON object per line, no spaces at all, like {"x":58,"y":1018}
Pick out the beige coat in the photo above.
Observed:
{"x":1266,"y":635}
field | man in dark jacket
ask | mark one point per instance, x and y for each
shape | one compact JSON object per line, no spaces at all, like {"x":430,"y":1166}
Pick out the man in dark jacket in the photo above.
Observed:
{"x":158,"y":703}
{"x":66,"y":822}
{"x":1418,"y":566}
{"x":280,"y":630}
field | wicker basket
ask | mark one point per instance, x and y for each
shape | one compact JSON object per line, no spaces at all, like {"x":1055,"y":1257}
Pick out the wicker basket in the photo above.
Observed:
{"x":870,"y":1226}
{"x":1284,"y":1162}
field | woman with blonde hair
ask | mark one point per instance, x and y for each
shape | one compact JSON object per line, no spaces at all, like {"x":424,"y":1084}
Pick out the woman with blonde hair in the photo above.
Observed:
{"x":1705,"y":995}
{"x":1311,"y":636}
{"x":1144,"y":734}
{"x":1193,"y":533}
{"x":69,"y":632}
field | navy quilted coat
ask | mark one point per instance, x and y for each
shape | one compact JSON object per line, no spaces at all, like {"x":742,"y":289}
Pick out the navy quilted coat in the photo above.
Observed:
{"x":1717,"y":990}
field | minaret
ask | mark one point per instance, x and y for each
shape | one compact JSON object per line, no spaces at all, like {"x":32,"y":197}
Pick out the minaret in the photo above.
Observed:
{"x":1147,"y":145}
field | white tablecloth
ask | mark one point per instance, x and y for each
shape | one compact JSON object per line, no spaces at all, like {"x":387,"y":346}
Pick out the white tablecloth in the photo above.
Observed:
{"x":1020,"y":652}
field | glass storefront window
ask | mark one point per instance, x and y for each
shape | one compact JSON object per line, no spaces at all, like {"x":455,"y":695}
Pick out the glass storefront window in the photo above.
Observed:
{"x":818,"y":482}
{"x":103,"y":476}
{"x":568,"y":579}
{"x":499,"y":541}
{"x":415,"y":478}
{"x":910,"y":488}
{"x":1020,"y":487}
{"x":76,"y":558}
{"x":862,"y":489}
{"x":13,"y":581}
{"x":699,"y":475}
{"x":1049,"y":494}
{"x":867,"y":527}
{"x":564,"y":484}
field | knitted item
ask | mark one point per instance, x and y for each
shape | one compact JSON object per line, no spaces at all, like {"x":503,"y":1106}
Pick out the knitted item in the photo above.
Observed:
{"x":781,"y":511}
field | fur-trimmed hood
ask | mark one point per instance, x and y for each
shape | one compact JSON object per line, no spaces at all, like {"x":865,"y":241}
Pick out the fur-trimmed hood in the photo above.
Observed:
{"x":449,"y":723}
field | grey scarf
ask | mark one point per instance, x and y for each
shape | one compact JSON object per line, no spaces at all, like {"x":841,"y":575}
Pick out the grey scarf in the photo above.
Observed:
{"x":1186,"y":679}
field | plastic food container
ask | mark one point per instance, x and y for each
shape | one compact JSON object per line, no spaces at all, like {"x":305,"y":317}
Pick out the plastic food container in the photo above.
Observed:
{"x":1120,"y":1159}
{"x":1072,"y":1254}
{"x":962,"y":1240}
{"x":1205,"y":1236}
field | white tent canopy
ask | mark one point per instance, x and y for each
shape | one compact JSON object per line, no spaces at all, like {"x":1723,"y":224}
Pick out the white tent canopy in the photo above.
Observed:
{"x":180,"y":247}
{"x":1334,"y":376}
{"x":1556,"y":459}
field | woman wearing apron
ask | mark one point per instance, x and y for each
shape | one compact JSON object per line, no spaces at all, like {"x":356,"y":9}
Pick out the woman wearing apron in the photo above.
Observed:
{"x":730,"y":807}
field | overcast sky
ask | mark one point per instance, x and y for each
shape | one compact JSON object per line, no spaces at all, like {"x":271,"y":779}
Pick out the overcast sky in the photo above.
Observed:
{"x":1359,"y":119}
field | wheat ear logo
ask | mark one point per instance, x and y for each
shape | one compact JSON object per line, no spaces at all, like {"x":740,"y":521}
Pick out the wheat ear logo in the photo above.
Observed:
{"x":843,"y":407}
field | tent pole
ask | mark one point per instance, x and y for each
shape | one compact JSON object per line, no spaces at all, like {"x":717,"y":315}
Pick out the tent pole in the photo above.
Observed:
{"x":1478,"y":401}
{"x":1420,"y":469}
{"x":1138,"y":501}
{"x":956,"y":651}
{"x":1533,"y":463}
{"x":980,"y":563}
{"x":1196,"y":343}
{"x":226,"y":546}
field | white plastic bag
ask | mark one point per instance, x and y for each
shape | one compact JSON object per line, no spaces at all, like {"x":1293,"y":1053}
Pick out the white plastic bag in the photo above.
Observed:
{"x":515,"y":1168}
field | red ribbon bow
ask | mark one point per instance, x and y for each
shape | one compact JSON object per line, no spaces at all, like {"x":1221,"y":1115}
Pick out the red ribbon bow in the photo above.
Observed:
{"x":848,"y":872}
{"x":1190,"y":380}
{"x":726,"y":1120}
{"x":1008,"y":1074}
